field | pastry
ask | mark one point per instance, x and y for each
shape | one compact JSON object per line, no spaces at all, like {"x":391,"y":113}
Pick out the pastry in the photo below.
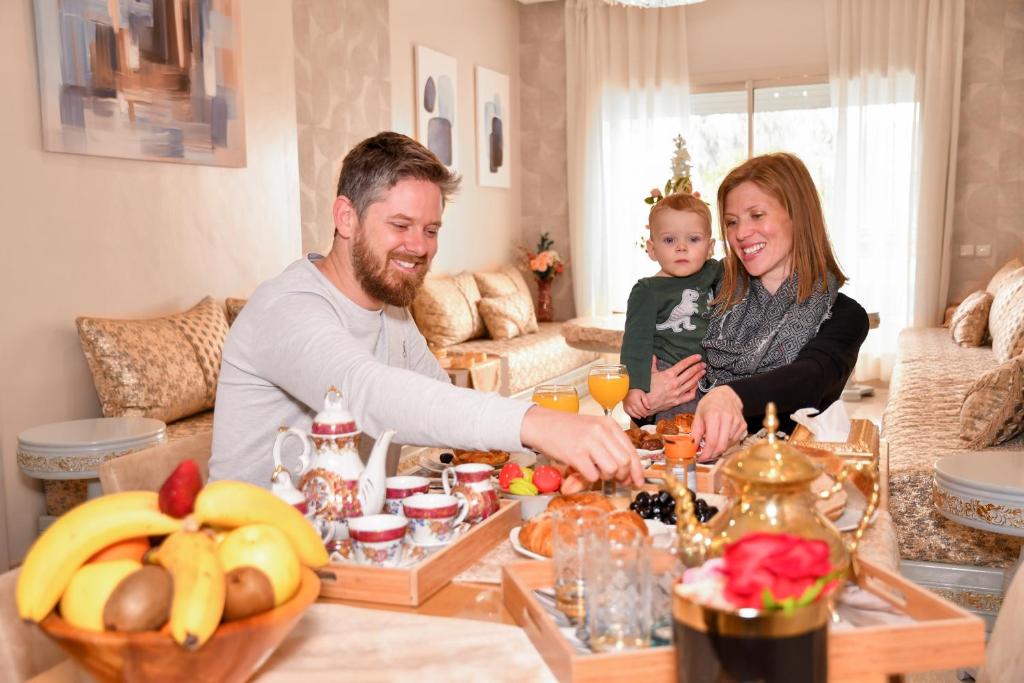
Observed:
{"x":535,"y":535}
{"x":587,"y":498}
{"x":644,"y":440}
{"x":492,"y":458}
{"x":630,"y":519}
{"x":677,"y":424}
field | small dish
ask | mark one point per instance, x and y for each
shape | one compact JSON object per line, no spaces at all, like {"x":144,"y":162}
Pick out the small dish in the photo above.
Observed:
{"x":513,"y":537}
{"x":529,"y":506}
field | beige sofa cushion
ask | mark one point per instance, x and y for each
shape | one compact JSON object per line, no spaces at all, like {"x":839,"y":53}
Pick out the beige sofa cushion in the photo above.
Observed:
{"x":507,"y":316}
{"x":969,"y":323}
{"x":993,"y":410}
{"x":508,"y":281}
{"x":164,"y":368}
{"x":445,"y":309}
{"x":233,"y":307}
{"x":1000,"y":277}
{"x":1006,"y":318}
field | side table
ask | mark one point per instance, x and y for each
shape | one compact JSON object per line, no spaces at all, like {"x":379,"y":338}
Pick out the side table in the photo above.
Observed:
{"x":67,"y":455}
{"x":482,"y":374}
{"x":983,"y":491}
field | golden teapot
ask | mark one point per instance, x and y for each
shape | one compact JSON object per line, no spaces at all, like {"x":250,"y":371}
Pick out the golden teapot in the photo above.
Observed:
{"x":772,"y":493}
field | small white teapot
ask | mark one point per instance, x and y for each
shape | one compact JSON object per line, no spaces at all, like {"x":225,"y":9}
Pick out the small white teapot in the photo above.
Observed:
{"x":336,"y":484}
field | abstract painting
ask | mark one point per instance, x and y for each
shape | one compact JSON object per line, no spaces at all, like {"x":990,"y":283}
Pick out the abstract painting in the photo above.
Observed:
{"x":436,"y":103}
{"x":492,"y":129}
{"x":159,"y":80}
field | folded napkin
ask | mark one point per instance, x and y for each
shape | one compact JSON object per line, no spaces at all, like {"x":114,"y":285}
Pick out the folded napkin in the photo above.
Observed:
{"x":831,"y":425}
{"x":858,"y":608}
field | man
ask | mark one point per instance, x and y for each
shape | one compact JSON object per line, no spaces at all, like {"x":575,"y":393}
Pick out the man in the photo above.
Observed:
{"x":342,"y":320}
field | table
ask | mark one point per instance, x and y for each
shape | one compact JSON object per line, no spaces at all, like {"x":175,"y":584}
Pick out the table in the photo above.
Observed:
{"x":983,"y":491}
{"x":601,"y":333}
{"x":482,"y":375}
{"x":67,"y":455}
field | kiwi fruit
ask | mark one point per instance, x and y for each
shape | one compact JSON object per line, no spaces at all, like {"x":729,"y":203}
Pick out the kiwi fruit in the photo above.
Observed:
{"x":248,"y":592}
{"x":141,"y":602}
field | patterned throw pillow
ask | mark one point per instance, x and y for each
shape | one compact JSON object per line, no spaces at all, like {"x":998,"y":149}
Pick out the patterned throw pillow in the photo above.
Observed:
{"x":1000,"y":277}
{"x":508,"y":282}
{"x":1006,"y":318}
{"x":165,"y":368}
{"x":993,"y":410}
{"x":445,"y":310}
{"x":508,"y":316}
{"x":969,"y":324}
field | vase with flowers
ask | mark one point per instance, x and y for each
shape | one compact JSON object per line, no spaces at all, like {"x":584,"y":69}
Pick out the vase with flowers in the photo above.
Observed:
{"x":545,"y":265}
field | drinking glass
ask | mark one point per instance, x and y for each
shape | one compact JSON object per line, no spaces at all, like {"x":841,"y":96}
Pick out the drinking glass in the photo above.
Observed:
{"x":618,"y":581}
{"x":557,"y":397}
{"x":608,"y":384}
{"x":571,"y":527}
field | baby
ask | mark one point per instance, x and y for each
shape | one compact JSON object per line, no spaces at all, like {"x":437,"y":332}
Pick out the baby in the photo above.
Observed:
{"x":667,"y":315}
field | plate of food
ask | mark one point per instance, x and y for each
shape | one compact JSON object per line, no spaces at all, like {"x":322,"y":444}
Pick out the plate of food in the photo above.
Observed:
{"x":534,"y":539}
{"x":513,"y":537}
{"x":437,"y":459}
{"x":649,"y":445}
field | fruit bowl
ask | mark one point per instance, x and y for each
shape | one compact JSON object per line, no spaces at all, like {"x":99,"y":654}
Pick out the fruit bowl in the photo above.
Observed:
{"x":234,"y":653}
{"x":530,"y":506}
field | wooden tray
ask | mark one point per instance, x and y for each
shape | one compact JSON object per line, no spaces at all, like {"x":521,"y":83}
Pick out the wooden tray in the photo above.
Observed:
{"x":709,"y":477}
{"x":943,"y":637}
{"x":861,"y":444}
{"x":413,"y":585}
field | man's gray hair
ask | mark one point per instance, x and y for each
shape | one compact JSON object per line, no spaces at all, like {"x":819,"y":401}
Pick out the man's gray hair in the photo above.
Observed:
{"x":376,"y":164}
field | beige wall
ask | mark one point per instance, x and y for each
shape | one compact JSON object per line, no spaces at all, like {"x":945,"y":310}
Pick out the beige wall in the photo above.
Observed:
{"x":110,"y":237}
{"x":342,"y":96}
{"x":989,"y":206}
{"x":482,"y":224}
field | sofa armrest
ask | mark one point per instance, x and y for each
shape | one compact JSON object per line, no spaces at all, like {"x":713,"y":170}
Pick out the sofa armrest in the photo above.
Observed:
{"x":146,"y":470}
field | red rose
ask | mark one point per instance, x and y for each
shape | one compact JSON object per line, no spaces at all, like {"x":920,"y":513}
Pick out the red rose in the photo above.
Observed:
{"x":785,"y":564}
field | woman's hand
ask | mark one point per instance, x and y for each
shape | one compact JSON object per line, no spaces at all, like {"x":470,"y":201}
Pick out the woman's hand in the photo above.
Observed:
{"x":719,"y":421}
{"x":677,"y":384}
{"x":635,"y":404}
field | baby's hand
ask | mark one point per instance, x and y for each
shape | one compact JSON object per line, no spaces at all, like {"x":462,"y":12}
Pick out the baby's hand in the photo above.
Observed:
{"x":635,"y":404}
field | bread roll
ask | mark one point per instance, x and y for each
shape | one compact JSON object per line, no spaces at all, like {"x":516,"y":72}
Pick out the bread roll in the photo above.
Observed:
{"x":630,"y":519}
{"x":587,"y":498}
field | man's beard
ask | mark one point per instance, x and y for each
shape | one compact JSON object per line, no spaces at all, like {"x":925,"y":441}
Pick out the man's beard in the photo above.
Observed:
{"x":381,"y":282}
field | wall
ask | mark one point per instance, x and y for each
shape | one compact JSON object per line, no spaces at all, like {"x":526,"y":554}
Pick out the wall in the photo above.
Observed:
{"x":342,"y":96}
{"x":482,"y":224}
{"x":109,"y":237}
{"x":545,"y":206}
{"x":989,"y":198}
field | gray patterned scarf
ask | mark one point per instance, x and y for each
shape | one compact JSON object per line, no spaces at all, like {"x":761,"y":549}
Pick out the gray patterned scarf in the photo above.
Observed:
{"x":763,"y":331}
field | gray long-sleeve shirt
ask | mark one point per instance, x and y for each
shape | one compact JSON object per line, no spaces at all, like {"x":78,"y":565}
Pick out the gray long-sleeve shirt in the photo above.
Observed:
{"x":297,"y":336}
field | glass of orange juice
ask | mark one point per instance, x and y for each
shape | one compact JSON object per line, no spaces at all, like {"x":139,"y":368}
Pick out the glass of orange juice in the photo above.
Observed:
{"x":557,"y":397}
{"x":608,"y":384}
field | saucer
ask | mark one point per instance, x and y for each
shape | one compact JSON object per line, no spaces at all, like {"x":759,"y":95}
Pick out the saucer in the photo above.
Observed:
{"x":459,"y":530}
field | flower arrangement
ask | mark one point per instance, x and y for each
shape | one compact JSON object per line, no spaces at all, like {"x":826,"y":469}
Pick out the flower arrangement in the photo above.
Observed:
{"x":764,"y":571}
{"x":680,"y":179}
{"x":545,"y":264}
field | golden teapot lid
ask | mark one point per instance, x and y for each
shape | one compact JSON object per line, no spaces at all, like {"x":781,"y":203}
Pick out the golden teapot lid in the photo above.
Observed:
{"x":772,"y":460}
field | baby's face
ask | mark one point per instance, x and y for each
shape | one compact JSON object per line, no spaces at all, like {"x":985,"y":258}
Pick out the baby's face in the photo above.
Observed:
{"x":680,"y":242}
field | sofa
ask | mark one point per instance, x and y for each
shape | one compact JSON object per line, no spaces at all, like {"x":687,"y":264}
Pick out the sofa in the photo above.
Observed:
{"x":948,"y":394}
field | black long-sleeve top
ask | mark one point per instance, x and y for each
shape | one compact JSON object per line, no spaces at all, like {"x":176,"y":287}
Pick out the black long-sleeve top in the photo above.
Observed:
{"x":816,"y":377}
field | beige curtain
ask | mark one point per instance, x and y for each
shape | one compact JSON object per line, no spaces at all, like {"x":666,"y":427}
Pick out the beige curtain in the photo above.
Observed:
{"x":626,"y":91}
{"x":894,"y":70}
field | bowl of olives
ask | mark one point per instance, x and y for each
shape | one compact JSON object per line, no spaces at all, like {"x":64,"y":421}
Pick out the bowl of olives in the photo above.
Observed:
{"x":661,"y":506}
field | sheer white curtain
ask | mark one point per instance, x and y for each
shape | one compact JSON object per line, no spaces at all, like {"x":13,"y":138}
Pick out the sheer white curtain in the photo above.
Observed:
{"x":894,"y":70}
{"x":627,"y":88}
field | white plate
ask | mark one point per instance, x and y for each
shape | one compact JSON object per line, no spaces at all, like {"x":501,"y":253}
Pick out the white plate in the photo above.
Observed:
{"x":431,"y":460}
{"x":657,"y":455}
{"x":513,"y":537}
{"x":856,"y":503}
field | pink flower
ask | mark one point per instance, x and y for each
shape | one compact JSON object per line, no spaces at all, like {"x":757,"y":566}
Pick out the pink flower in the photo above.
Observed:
{"x":541,"y":262}
{"x":655,"y":192}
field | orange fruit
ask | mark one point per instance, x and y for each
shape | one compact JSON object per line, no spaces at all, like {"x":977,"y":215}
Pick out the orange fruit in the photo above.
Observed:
{"x":128,"y":549}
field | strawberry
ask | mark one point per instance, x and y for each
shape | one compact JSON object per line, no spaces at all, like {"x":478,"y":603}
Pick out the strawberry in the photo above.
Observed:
{"x":178,"y":493}
{"x":547,"y":479}
{"x":509,"y":472}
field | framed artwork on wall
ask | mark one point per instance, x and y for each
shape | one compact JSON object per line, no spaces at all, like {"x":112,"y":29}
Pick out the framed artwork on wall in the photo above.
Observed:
{"x":492,"y":128}
{"x":436,"y":104}
{"x":159,"y":81}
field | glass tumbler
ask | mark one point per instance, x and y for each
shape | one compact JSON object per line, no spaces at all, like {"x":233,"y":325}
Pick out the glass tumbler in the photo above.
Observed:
{"x":618,"y":580}
{"x":571,"y":527}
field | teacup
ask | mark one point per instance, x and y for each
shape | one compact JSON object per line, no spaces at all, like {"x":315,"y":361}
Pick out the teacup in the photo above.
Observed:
{"x":400,"y":488}
{"x":433,"y":517}
{"x":377,"y":539}
{"x":473,"y":481}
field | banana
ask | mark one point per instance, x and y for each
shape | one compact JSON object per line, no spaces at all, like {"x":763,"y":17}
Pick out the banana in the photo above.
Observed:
{"x":198,"y":603}
{"x":76,"y":536}
{"x":233,"y":504}
{"x":522,"y":487}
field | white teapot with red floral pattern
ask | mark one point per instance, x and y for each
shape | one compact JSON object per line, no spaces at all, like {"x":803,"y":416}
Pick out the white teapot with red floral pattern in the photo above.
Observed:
{"x":335,"y":483}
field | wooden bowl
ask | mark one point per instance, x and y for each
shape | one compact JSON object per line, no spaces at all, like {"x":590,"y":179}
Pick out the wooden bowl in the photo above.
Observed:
{"x":234,"y":653}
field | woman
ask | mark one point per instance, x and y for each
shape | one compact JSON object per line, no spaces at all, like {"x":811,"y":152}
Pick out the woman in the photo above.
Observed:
{"x":781,"y":330}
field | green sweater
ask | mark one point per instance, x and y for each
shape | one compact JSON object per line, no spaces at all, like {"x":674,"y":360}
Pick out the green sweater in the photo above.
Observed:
{"x":666,"y":317}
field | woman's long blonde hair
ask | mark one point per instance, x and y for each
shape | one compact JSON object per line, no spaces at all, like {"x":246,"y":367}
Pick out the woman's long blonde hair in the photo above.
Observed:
{"x":786,"y":178}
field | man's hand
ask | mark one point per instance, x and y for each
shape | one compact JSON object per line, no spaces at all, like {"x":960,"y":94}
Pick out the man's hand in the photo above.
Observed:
{"x":719,"y":420}
{"x":635,"y":404}
{"x":595,"y":446}
{"x":677,"y":384}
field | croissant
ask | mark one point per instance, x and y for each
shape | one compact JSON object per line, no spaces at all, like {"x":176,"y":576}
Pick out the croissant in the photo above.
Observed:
{"x":535,"y":535}
{"x":628,"y":518}
{"x":588,"y":498}
{"x":677,"y":424}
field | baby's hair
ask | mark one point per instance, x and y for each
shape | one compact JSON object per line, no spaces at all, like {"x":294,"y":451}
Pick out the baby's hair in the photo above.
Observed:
{"x":682,"y":201}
